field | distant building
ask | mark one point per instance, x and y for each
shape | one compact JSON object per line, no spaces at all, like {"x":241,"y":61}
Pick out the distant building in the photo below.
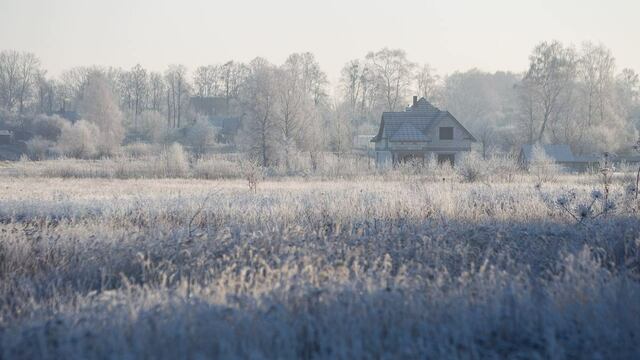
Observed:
{"x":420,"y":131}
{"x":209,"y":106}
{"x":6,"y":137}
{"x":561,"y":154}
{"x":228,"y":127}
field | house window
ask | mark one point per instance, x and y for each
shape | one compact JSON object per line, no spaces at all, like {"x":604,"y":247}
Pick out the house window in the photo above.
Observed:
{"x":446,"y":133}
{"x":446,"y":158}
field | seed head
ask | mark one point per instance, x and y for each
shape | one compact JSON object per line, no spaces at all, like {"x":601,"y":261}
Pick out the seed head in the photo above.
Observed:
{"x":596,"y":194}
{"x":584,"y":211}
{"x":562,"y":201}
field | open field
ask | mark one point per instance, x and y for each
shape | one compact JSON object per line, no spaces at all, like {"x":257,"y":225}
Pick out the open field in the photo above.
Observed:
{"x":370,"y":267}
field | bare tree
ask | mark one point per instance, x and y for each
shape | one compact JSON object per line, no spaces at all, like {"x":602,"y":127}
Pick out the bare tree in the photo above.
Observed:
{"x":596,"y":68}
{"x":351,"y":84}
{"x":552,"y":69}
{"x":259,"y":98}
{"x":177,"y":94}
{"x":72,"y":83}
{"x":139,"y":85}
{"x":232,"y":75}
{"x":360,"y":90}
{"x":9,"y":78}
{"x":480,"y":100}
{"x":206,"y":80}
{"x":300,"y":91}
{"x":46,"y":94}
{"x":529,"y":110}
{"x":29,"y":67}
{"x":19,"y":73}
{"x":314,"y":80}
{"x":392,"y":71}
{"x":157,"y":90}
{"x":427,"y":82}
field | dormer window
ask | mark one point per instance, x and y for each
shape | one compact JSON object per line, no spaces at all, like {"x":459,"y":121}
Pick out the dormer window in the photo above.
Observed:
{"x":446,"y":133}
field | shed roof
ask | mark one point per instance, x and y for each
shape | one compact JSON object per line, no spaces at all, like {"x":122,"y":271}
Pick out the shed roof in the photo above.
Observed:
{"x":558,"y":152}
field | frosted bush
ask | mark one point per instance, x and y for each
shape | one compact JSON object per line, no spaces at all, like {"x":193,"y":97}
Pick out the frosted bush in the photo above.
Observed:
{"x":79,"y":139}
{"x":472,"y":168}
{"x":140,"y":150}
{"x":217,"y":168}
{"x":175,"y":161}
{"x":541,"y":166}
{"x":39,"y":147}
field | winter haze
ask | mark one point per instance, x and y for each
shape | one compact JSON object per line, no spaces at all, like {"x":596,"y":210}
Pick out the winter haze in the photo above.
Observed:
{"x":451,"y":35}
{"x":319,"y":180}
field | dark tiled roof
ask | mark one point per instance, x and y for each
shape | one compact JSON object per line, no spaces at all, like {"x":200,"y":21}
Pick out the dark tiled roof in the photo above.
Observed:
{"x":408,"y":132}
{"x":413,"y":124}
{"x":210,"y":105}
{"x":229,"y":125}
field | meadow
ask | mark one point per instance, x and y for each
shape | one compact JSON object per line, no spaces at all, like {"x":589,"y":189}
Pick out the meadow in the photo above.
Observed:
{"x":403,"y":264}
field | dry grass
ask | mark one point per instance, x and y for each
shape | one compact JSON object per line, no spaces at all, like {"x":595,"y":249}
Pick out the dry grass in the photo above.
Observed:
{"x":388,"y":266}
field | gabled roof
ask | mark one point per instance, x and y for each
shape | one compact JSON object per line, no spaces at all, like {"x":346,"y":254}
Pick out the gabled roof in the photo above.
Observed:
{"x":414,"y":123}
{"x":6,"y":132}
{"x":558,"y":152}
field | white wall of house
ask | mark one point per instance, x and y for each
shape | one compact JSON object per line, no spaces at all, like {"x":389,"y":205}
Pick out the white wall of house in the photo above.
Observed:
{"x":383,"y":159}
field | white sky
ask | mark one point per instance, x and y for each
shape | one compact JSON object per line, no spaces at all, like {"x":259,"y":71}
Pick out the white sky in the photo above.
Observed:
{"x":450,"y":35}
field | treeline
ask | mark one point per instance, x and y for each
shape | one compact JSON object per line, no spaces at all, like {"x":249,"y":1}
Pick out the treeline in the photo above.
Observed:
{"x":567,"y":95}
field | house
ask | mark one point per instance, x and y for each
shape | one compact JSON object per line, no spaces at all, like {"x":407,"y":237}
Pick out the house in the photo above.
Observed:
{"x":6,"y":137}
{"x":422,"y":130}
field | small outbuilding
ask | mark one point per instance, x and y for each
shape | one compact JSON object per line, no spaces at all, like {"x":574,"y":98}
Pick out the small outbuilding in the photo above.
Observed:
{"x":561,"y":154}
{"x":6,"y":137}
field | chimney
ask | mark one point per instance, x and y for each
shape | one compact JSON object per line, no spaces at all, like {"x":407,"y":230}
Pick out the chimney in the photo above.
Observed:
{"x":415,"y":100}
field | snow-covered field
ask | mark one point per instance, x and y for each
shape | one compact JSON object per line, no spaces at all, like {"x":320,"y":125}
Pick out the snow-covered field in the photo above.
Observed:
{"x":363,"y":268}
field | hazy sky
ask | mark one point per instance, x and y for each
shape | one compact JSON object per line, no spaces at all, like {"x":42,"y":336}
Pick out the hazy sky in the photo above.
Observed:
{"x":450,"y":35}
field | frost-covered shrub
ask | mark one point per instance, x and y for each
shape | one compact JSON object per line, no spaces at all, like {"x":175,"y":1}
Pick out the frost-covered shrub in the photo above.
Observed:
{"x":472,"y":167}
{"x":175,"y":161}
{"x":140,"y":150}
{"x":542,"y":166}
{"x":98,"y":105}
{"x":79,"y":139}
{"x":217,"y":168}
{"x":48,"y":127}
{"x":201,"y":136}
{"x":505,"y":167}
{"x":153,"y":126}
{"x":38,"y":147}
